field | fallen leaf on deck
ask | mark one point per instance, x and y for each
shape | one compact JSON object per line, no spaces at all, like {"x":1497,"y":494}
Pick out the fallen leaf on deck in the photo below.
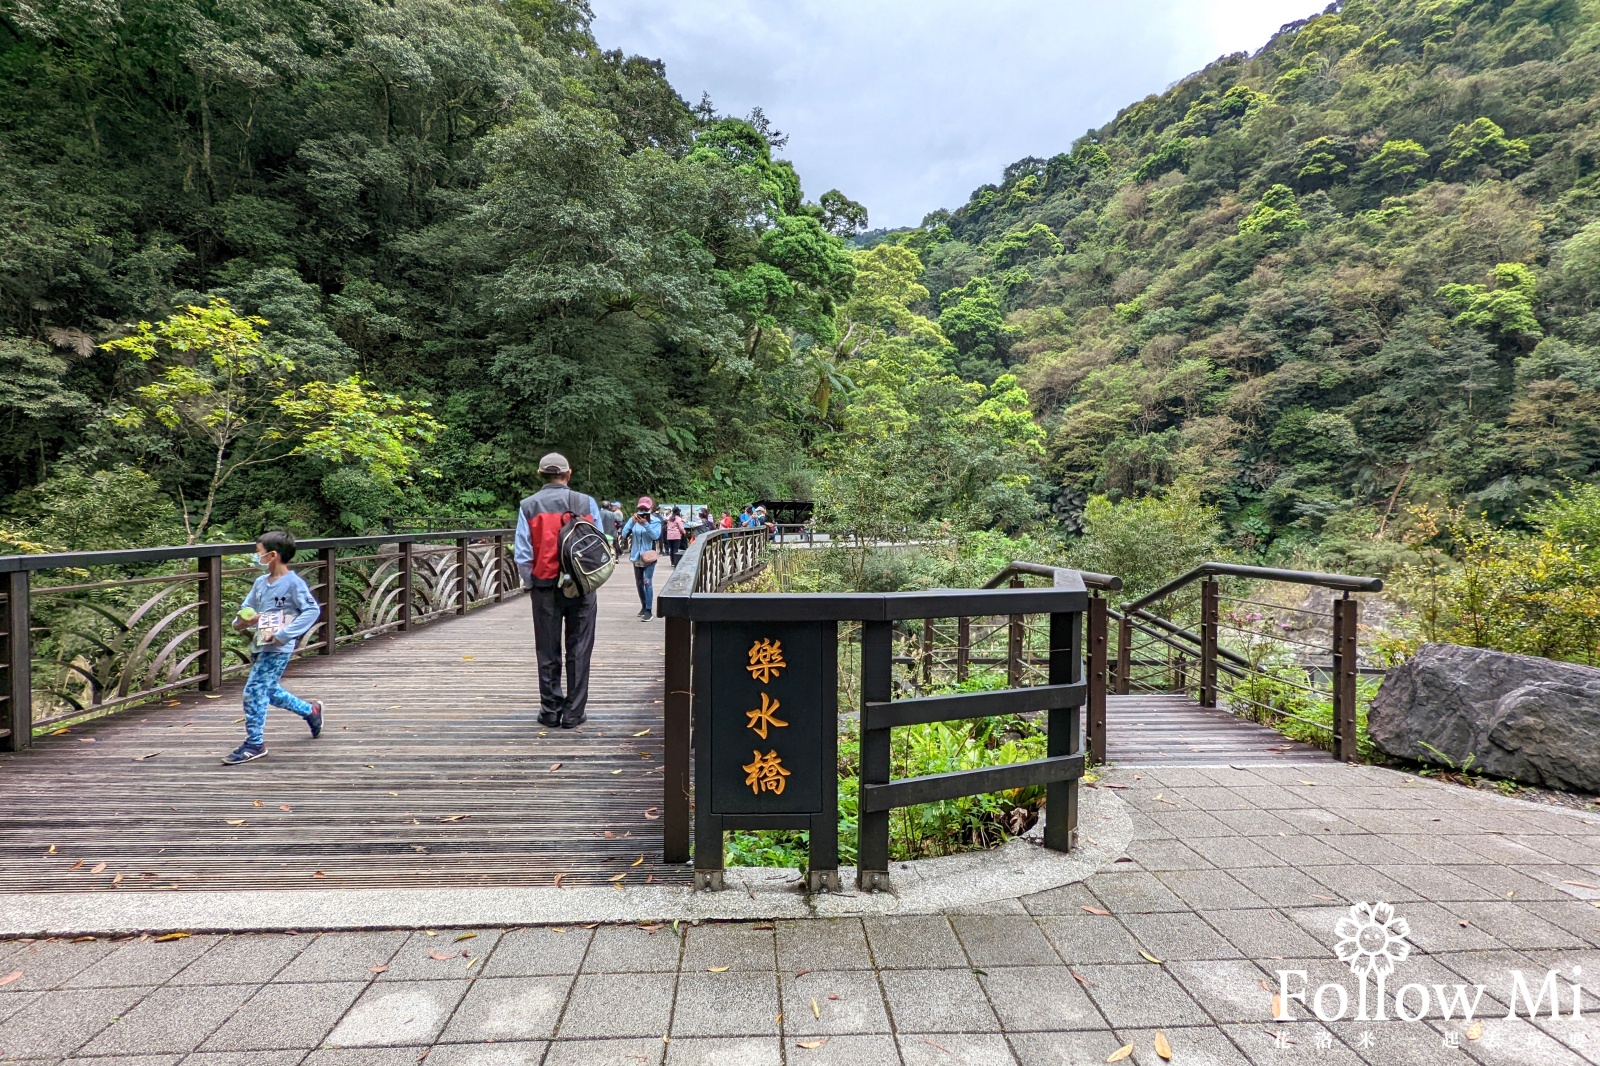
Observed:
{"x":241,"y":821}
{"x":382,"y":967}
{"x":455,"y":817}
{"x":1121,"y":1053}
{"x":832,"y":996}
{"x":642,"y":733}
{"x":1264,"y":986}
{"x":1078,"y":977}
{"x":1582,"y":884}
{"x":97,"y":868}
{"x":1319,"y":895}
{"x":618,"y":877}
{"x":1309,"y":784}
{"x":117,"y":880}
{"x":717,"y":969}
{"x":1096,"y":910}
{"x":257,"y":803}
{"x":1150,"y":958}
{"x":1278,"y":1013}
{"x":284,"y":807}
{"x":439,"y":956}
{"x":58,"y":732}
{"x":558,"y":885}
{"x":1474,"y":1030}
{"x":86,"y":740}
{"x":10,"y":977}
{"x":615,"y":772}
{"x":637,"y":862}
{"x":318,"y":873}
{"x":465,"y":936}
{"x":52,"y":850}
{"x":554,"y":767}
{"x":236,"y":721}
{"x":800,"y":973}
{"x":815,"y":1010}
{"x":809,"y":1044}
{"x":466,"y":658}
{"x":1163,"y":1048}
{"x":610,"y":835}
{"x":213,"y":697}
{"x":653,"y":813}
{"x":77,"y":865}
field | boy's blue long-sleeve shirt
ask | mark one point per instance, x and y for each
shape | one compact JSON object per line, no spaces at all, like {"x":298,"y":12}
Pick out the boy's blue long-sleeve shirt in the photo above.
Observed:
{"x":289,"y":597}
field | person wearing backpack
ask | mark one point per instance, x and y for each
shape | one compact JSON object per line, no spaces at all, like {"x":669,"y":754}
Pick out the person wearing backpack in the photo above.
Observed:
{"x":642,"y":532}
{"x":677,"y":536}
{"x":557,"y":603}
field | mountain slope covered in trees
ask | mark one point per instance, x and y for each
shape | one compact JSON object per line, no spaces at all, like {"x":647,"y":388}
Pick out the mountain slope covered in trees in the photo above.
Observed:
{"x":1356,"y":269}
{"x":462,"y":209}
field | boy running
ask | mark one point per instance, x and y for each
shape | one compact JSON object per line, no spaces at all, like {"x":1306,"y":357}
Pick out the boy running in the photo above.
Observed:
{"x":281,"y":609}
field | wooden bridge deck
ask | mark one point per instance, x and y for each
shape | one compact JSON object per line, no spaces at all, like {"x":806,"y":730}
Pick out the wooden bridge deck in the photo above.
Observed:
{"x":432,"y":771}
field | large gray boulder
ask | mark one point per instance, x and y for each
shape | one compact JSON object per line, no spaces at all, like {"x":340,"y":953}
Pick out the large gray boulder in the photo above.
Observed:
{"x":1513,"y":716}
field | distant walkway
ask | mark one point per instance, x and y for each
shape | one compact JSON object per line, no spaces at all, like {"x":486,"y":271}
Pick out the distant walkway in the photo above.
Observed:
{"x":432,"y":772}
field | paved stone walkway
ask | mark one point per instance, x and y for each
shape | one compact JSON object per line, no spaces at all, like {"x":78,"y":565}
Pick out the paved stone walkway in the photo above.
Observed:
{"x":1233,"y":875}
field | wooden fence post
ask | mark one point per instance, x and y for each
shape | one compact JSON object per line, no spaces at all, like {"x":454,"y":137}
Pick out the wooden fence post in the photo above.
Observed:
{"x":210,"y":621}
{"x":405,"y":586}
{"x":679,"y":715}
{"x":963,"y":647}
{"x":1062,"y":732}
{"x":1124,"y":654}
{"x":927,"y":652}
{"x":1208,"y":643}
{"x":463,"y":586}
{"x":18,"y":664}
{"x":1014,"y":645}
{"x":1346,"y":616}
{"x":329,"y":599}
{"x":1098,"y":639}
{"x":877,"y":686}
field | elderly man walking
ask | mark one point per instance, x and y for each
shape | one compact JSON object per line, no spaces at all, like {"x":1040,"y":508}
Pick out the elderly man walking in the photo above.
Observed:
{"x":539,"y":561}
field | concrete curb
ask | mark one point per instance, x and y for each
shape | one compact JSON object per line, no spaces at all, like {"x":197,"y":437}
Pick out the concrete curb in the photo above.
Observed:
{"x":924,"y":886}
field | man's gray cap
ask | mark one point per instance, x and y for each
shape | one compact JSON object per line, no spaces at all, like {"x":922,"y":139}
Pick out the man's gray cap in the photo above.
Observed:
{"x":554,"y":463}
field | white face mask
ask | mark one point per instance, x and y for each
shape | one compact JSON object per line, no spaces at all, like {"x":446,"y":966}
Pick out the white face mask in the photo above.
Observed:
{"x":258,"y":562}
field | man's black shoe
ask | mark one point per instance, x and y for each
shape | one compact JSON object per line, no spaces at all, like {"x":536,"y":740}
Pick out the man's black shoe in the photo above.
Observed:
{"x":549,"y":718}
{"x":573,"y":723}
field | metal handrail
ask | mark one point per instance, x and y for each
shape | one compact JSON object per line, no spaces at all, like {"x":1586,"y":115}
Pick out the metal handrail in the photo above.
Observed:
{"x":1337,"y":582}
{"x":1108,"y":582}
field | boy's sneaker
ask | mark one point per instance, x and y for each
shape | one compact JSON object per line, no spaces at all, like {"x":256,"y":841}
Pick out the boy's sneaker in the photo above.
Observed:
{"x":314,"y":719}
{"x":244,"y":753}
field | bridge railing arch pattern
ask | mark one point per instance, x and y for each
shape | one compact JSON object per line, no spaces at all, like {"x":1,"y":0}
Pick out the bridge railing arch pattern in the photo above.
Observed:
{"x":89,"y":633}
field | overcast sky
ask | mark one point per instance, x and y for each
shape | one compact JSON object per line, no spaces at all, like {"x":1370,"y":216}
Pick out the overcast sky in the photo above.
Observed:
{"x":909,"y":105}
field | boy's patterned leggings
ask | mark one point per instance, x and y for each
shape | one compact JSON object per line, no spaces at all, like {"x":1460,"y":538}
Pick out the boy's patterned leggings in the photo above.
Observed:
{"x":263,"y":690}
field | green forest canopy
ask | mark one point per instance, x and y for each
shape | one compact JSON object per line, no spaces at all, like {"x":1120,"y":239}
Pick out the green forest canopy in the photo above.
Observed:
{"x":1353,"y":271}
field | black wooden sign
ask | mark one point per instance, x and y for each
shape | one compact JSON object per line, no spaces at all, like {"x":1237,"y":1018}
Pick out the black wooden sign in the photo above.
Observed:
{"x":767,"y":734}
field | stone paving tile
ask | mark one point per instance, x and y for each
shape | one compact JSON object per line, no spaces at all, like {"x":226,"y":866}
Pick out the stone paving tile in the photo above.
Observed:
{"x":823,"y":944}
{"x":1368,"y":849}
{"x":1179,"y":936}
{"x":1193,"y":825}
{"x":612,"y":1005}
{"x":1504,"y":882}
{"x":726,"y":1051}
{"x":244,"y":1058}
{"x":913,"y":941}
{"x":636,"y":1052}
{"x":1122,"y":891}
{"x":59,"y":1022}
{"x":139,"y":962}
{"x":1259,"y":934}
{"x":969,"y":1049}
{"x":630,"y":949}
{"x":1190,"y":1046}
{"x":52,"y":963}
{"x":1084,"y":938}
{"x":1579,"y":919}
{"x":241,"y":960}
{"x":937,"y":1001}
{"x":1492,"y":969}
{"x":414,"y":960}
{"x":1068,"y":899}
{"x":509,"y":1008}
{"x":1165,"y":855}
{"x":1003,"y":940}
{"x":1229,"y":989}
{"x":992,"y":908}
{"x":1235,"y":853}
{"x":1259,"y":1044}
{"x":1580,"y":1035}
{"x":1254,"y":822}
{"x":833,"y":1003}
{"x":1064,"y":1049}
{"x":1280,"y":886}
{"x":1298,"y":850}
{"x":1147,"y":828}
{"x":538,"y":952}
{"x":1203,"y":889}
{"x":286,"y":1016}
{"x":1033,"y":998}
{"x":398,"y":1012}
{"x":170,"y":1019}
{"x":738,"y":946}
{"x":376,"y":1056}
{"x":1515,"y":926}
{"x":342,"y":957}
{"x":1132,"y":994}
{"x":726,"y":1004}
{"x":878,"y":1050}
{"x":515,"y":1053}
{"x":1360,"y":883}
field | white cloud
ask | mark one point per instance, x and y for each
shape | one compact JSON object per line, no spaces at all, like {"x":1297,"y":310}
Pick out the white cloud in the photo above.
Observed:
{"x":908,"y":105}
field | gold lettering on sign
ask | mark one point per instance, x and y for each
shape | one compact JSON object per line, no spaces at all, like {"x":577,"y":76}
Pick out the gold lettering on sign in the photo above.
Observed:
{"x":765,"y":773}
{"x":766,"y":716}
{"x":766,"y":660}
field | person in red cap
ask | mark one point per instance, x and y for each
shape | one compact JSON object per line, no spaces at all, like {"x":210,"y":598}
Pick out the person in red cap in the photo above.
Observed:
{"x":539,"y":561}
{"x":642,"y":532}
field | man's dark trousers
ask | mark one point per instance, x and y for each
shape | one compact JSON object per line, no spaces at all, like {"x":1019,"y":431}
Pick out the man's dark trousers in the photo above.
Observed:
{"x":552,"y":607}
